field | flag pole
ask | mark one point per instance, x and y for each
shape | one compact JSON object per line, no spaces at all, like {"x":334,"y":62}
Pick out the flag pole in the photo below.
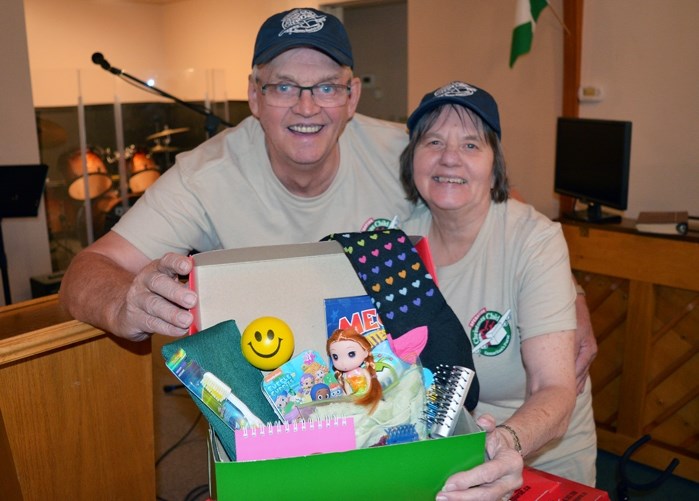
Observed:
{"x":558,"y":18}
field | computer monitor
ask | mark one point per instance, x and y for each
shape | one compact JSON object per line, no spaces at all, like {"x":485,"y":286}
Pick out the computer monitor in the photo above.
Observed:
{"x":592,"y":165}
{"x":21,"y":189}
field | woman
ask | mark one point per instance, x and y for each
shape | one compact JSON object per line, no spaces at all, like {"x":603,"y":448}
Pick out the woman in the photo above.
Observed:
{"x":500,"y":264}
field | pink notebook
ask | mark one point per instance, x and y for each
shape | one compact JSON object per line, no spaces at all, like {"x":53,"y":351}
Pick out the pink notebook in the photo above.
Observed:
{"x":285,"y":440}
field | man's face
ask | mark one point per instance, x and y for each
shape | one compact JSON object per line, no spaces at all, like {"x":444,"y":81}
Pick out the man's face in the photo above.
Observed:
{"x":303,"y":137}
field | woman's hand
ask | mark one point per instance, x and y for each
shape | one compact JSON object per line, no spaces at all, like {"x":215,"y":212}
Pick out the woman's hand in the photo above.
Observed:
{"x":495,"y":479}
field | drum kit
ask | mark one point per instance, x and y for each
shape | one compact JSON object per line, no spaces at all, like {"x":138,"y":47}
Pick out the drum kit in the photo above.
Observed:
{"x":143,"y":167}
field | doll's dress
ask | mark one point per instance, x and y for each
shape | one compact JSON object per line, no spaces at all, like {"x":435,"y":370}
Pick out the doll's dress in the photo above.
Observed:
{"x":356,"y":378}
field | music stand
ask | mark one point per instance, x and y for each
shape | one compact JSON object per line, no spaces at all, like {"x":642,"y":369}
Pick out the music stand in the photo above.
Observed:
{"x":21,"y":189}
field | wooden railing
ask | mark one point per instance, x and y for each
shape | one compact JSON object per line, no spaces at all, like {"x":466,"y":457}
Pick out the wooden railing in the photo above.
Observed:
{"x":643,"y":293}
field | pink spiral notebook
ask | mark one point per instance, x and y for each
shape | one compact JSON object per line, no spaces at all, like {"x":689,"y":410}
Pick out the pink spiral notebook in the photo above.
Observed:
{"x":285,"y":440}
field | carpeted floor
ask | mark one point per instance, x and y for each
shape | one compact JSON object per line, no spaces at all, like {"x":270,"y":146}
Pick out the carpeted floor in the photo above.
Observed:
{"x":181,"y":450}
{"x":673,"y":489}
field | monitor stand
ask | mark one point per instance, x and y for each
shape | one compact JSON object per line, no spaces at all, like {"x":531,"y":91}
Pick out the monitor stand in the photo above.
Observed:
{"x":593,"y":214}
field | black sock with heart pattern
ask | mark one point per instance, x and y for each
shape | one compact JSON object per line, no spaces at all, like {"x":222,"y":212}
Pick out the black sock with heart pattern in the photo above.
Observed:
{"x":406,"y":296}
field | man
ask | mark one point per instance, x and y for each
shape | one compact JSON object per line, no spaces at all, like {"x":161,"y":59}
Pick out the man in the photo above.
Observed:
{"x":302,"y":167}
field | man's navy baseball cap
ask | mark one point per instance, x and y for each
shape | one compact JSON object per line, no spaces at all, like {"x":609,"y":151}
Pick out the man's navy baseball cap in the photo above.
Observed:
{"x":467,"y":95}
{"x":303,"y":28}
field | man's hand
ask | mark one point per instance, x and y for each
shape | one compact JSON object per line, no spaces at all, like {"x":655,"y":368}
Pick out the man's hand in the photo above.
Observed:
{"x":585,"y":342}
{"x":495,"y":479}
{"x":156,"y":301}
{"x":115,"y":287}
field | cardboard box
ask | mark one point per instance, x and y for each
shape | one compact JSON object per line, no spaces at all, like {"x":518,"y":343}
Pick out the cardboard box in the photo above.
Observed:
{"x":291,"y":282}
{"x":286,"y":281}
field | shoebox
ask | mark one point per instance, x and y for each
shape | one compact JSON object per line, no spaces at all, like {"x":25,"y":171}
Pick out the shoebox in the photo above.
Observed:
{"x":291,"y":282}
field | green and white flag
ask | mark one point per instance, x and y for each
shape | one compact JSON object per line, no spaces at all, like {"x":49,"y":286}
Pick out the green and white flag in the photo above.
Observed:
{"x":525,"y":21}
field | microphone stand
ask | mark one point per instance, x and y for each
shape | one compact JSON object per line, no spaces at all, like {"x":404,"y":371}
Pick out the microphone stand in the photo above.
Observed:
{"x":211,"y":123}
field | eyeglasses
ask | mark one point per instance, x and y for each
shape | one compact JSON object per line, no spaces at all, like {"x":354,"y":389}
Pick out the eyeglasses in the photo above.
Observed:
{"x":326,"y":95}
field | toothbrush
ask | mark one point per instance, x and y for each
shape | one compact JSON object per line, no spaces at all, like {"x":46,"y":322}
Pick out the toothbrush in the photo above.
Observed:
{"x":226,"y":405}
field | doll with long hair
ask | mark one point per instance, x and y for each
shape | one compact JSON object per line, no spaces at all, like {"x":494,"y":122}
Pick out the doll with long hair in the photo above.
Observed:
{"x":350,"y":353}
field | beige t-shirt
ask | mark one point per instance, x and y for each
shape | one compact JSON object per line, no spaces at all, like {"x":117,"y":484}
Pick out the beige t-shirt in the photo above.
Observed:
{"x":223,"y":194}
{"x":518,"y":262}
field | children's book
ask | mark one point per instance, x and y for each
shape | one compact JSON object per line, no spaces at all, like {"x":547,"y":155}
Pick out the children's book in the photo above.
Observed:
{"x":305,"y":378}
{"x":359,"y":313}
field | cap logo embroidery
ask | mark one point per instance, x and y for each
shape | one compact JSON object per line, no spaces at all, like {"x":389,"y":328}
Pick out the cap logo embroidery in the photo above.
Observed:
{"x":455,"y":89}
{"x":302,"y":21}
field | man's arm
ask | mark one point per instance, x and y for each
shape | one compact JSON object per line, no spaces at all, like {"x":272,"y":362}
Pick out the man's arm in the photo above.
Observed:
{"x":115,"y":287}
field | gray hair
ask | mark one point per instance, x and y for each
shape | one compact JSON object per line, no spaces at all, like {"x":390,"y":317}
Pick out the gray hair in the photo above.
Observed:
{"x":500,"y":188}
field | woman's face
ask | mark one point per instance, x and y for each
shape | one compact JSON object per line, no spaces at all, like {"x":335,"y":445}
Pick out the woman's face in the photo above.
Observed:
{"x":347,"y":355}
{"x":453,"y":163}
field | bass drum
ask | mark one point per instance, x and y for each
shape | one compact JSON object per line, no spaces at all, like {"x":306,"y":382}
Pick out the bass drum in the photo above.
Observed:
{"x":98,"y":179}
{"x":143,"y":171}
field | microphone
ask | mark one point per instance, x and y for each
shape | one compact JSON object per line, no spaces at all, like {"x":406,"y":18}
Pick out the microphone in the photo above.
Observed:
{"x":99,"y":60}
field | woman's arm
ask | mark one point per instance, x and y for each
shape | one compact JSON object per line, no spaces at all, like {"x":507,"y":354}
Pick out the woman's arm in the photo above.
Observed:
{"x":549,"y":361}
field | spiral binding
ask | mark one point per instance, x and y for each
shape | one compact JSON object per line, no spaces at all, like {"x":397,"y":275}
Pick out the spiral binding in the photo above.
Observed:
{"x":284,"y":427}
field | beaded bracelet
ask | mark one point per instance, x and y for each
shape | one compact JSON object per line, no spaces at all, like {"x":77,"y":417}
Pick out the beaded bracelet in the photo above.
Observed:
{"x":515,"y":438}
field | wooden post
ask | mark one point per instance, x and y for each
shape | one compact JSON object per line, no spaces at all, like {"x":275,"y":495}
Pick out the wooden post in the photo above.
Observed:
{"x":572,"y":50}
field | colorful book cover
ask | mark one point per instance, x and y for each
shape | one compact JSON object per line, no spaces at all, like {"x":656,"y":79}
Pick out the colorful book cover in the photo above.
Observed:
{"x":359,"y":312}
{"x":305,"y":378}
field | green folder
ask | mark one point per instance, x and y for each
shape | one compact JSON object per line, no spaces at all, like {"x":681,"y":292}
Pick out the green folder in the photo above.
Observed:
{"x":217,"y":350}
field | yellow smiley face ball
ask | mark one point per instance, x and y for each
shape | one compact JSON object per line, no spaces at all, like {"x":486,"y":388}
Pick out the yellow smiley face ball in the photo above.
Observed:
{"x":267,"y":343}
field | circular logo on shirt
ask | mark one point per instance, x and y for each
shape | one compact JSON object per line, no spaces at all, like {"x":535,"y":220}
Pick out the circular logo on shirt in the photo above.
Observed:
{"x":492,"y":338}
{"x":376,"y":224}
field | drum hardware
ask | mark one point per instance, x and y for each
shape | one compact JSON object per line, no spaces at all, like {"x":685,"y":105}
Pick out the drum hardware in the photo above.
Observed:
{"x":142,"y":171}
{"x":113,"y":157}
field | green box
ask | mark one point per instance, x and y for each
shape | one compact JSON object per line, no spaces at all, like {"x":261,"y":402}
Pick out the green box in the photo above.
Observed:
{"x":414,"y":471}
{"x":291,"y":282}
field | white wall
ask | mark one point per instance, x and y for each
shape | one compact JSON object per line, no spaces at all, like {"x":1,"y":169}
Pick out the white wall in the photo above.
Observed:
{"x":470,"y":40}
{"x":142,"y":39}
{"x":643,"y":54}
{"x":25,"y":239}
{"x":640,"y":52}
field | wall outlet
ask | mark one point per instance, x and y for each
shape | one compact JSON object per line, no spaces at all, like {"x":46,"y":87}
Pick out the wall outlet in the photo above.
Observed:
{"x":590,"y":94}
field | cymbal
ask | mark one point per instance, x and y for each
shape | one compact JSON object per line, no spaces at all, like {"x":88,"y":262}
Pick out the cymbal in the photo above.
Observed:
{"x":167,"y":132}
{"x":50,"y":133}
{"x":160,"y":148}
